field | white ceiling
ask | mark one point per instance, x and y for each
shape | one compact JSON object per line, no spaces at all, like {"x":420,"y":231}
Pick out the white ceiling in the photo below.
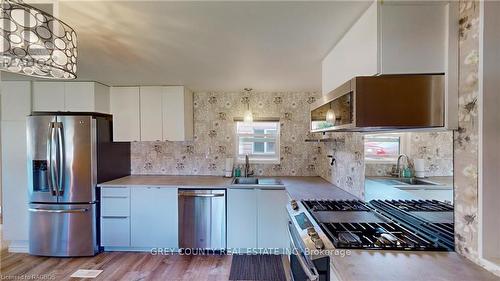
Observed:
{"x":207,"y":45}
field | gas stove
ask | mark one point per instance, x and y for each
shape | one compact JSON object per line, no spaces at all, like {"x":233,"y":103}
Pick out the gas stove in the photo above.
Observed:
{"x":380,"y":225}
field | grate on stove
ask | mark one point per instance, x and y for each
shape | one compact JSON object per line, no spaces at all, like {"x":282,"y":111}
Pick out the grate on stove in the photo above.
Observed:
{"x":335,"y":205}
{"x":421,"y":205}
{"x":369,"y":237}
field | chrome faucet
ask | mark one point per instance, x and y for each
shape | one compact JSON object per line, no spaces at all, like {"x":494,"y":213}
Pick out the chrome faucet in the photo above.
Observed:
{"x":398,"y":167}
{"x":248,"y":173}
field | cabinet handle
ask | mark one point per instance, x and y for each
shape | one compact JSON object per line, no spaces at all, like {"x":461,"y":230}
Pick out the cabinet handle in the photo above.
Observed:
{"x":114,"y":217}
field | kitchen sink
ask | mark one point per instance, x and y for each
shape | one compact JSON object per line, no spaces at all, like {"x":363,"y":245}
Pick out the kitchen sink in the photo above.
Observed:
{"x":414,"y":181}
{"x":256,"y":181}
{"x":406,"y":181}
{"x":246,"y":181}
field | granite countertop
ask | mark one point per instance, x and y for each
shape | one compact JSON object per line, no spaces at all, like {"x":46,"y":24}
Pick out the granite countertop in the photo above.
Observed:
{"x":365,"y":265}
{"x":299,"y":188}
{"x":169,"y":181}
{"x":303,"y":188}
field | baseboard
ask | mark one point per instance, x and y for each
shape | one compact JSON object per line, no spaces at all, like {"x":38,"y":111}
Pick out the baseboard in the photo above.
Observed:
{"x":18,"y":246}
{"x":491,"y":266}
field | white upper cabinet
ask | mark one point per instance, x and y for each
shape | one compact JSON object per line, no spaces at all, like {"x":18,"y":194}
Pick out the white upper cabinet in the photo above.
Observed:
{"x":396,"y":38}
{"x":70,"y":96}
{"x":125,"y":102}
{"x":177,"y":114}
{"x":151,"y":113}
{"x":48,"y":96}
{"x":15,"y":100}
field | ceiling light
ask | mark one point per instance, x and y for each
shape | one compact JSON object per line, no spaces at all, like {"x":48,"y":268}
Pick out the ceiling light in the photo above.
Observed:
{"x":330,"y":116}
{"x":248,"y":116}
{"x":35,"y":43}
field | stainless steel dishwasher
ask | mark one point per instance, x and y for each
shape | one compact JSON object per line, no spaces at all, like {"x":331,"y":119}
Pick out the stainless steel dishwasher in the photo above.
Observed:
{"x":202,"y":219}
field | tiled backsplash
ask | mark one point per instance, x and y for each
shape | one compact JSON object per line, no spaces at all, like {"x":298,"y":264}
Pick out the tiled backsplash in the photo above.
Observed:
{"x":214,"y":139}
{"x":436,"y":148}
{"x":348,"y":170}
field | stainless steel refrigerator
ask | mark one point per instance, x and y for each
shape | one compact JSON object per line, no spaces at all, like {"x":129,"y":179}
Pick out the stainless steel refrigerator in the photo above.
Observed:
{"x":68,"y":155}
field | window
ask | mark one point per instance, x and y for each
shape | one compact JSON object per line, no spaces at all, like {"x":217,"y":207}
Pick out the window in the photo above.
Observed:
{"x":383,"y":147}
{"x":258,"y":140}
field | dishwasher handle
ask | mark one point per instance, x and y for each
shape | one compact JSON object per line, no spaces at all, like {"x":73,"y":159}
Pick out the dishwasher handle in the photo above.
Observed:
{"x":194,"y":194}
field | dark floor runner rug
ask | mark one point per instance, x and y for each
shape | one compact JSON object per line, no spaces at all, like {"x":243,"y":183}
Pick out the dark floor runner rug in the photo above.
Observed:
{"x":257,"y":267}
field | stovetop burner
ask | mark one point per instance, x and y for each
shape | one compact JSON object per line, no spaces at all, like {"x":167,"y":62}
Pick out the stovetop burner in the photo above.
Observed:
{"x":388,"y":236}
{"x":421,"y":205}
{"x":335,"y":205}
{"x":385,"y":224}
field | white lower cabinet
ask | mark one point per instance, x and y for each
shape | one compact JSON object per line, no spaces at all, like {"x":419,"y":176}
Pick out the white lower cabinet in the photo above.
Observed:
{"x":115,"y":231}
{"x":241,"y":218}
{"x":154,"y":220}
{"x":272,"y":219}
{"x":115,"y":216}
{"x":256,"y":218}
{"x":139,"y":217}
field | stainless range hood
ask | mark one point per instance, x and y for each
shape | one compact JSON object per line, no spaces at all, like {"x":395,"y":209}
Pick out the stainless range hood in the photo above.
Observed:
{"x":386,"y":102}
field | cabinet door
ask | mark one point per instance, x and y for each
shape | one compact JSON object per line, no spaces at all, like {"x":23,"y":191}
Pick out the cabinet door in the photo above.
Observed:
{"x":154,"y":221}
{"x":16,"y":100}
{"x":115,"y":231}
{"x":356,"y":54}
{"x":151,"y":113}
{"x":241,"y":218}
{"x":14,"y":180}
{"x":413,"y":37}
{"x":125,"y":110}
{"x":79,"y":96}
{"x":177,"y":114}
{"x":272,"y":219}
{"x":48,"y":96}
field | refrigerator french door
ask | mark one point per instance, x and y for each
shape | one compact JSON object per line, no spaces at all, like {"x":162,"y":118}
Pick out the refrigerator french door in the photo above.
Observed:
{"x":64,"y":164}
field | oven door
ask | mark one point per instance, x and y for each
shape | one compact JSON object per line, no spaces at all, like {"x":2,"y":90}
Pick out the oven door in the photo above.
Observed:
{"x":303,"y":268}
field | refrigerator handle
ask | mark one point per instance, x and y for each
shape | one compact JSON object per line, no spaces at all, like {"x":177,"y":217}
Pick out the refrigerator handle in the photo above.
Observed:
{"x":60,"y":159}
{"x":50,"y":166}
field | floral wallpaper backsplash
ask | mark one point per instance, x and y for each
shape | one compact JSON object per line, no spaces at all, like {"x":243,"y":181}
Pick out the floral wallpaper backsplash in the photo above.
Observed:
{"x":436,"y":148}
{"x":466,"y":137}
{"x":348,"y":169}
{"x":214,"y":140}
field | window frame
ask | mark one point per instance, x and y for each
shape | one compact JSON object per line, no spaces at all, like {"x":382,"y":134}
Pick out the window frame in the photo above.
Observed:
{"x":254,"y":159}
{"x":403,"y":147}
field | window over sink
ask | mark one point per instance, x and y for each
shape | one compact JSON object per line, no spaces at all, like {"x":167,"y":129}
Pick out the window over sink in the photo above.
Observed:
{"x":384,"y":148}
{"x":259,"y":140}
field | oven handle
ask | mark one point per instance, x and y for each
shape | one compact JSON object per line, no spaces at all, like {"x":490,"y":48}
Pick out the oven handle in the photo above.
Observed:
{"x":310,"y":271}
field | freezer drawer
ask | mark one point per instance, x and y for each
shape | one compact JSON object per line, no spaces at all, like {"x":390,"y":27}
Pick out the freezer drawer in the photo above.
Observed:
{"x":63,"y":230}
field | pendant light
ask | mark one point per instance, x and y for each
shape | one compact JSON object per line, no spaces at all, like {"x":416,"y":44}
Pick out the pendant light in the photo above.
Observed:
{"x":35,"y":43}
{"x":330,"y":115}
{"x":248,"y":116}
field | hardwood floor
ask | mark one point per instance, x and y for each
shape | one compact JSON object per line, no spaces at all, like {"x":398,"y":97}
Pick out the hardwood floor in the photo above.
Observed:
{"x":119,"y":266}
